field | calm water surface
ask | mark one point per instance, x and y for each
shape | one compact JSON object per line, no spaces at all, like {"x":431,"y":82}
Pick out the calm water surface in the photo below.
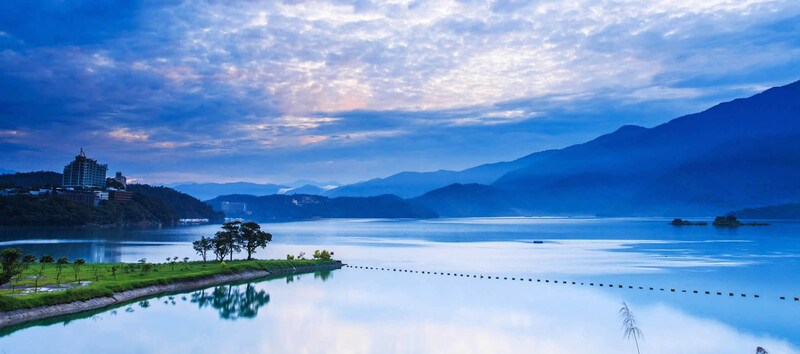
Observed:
{"x":358,"y":310}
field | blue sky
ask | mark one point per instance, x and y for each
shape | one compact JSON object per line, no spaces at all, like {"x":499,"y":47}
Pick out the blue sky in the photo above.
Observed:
{"x":273,"y":91}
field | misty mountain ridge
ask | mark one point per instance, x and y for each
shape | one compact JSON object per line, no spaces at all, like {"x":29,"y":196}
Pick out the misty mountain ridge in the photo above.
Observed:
{"x":275,"y":208}
{"x":734,"y":155}
{"x":206,"y":191}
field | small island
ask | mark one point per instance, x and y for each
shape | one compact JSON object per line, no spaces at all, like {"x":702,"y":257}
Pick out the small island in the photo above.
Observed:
{"x":681,"y":222}
{"x":34,"y":288}
{"x":732,"y":221}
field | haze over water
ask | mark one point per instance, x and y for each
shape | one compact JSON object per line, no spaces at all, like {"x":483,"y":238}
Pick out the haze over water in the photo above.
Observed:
{"x":361,"y":310}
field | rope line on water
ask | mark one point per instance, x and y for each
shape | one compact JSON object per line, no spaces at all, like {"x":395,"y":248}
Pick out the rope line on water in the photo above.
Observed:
{"x":530,"y":280}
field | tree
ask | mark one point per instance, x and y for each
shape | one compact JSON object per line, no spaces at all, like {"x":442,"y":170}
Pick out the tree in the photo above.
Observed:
{"x":630,"y":325}
{"x":322,"y":255}
{"x":251,"y":237}
{"x":220,"y":248}
{"x":59,"y":263}
{"x":46,"y":259}
{"x":229,"y":235}
{"x":12,"y":266}
{"x":226,"y":240}
{"x":24,"y":265}
{"x":43,"y":260}
{"x":76,"y":266}
{"x":761,"y":350}
{"x":202,"y":246}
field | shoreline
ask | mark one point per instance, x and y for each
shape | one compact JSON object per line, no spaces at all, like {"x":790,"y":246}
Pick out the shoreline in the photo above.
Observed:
{"x":22,"y":316}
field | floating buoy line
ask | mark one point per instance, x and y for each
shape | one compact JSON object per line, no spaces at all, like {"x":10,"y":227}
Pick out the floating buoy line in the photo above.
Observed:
{"x":600,"y":285}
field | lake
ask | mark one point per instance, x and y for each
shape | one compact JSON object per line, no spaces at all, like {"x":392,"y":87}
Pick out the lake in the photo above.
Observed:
{"x":357,"y":310}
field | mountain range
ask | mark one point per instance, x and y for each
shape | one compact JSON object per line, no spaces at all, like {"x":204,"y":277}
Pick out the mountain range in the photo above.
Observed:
{"x":736,"y":154}
{"x":206,"y":191}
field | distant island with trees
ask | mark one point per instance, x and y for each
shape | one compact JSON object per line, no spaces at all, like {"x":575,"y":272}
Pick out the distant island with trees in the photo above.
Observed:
{"x":720,"y":221}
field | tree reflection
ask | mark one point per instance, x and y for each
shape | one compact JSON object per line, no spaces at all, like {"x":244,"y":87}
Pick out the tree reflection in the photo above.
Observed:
{"x":322,"y":274}
{"x":232,"y":302}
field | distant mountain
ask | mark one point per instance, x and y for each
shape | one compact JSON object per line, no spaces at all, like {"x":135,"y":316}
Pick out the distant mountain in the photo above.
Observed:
{"x":184,"y":205}
{"x":413,"y":184}
{"x":302,"y":182}
{"x":31,"y":179}
{"x":206,"y":191}
{"x":7,"y":172}
{"x":304,"y":207}
{"x":783,"y":211}
{"x":470,"y":199}
{"x":307,"y":189}
{"x":735,"y":154}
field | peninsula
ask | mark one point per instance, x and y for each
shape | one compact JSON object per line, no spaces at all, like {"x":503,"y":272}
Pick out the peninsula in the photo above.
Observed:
{"x":34,"y":288}
{"x":44,"y":292}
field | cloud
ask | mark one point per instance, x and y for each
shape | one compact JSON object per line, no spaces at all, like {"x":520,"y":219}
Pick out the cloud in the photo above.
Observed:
{"x":278,"y":79}
{"x":127,"y":135}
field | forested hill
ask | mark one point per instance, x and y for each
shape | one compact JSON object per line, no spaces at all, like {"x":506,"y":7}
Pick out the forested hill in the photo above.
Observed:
{"x":186,"y":206}
{"x":31,"y":179}
{"x":160,"y":205}
{"x":28,"y":210}
{"x":783,"y":211}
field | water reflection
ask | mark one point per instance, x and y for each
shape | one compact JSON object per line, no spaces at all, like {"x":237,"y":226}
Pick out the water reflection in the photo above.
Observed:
{"x":323,"y":275}
{"x":231,"y":301}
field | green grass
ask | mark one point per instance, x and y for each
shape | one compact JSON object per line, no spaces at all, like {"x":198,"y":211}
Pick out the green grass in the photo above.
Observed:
{"x":104,"y":283}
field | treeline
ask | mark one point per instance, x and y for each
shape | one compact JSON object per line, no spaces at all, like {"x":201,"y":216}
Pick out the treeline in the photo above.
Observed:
{"x":186,"y":206}
{"x":52,"y":210}
{"x":43,"y":179}
{"x":783,"y":211}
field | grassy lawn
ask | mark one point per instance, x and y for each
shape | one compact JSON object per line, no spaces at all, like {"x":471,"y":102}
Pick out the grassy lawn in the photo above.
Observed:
{"x":104,"y":281}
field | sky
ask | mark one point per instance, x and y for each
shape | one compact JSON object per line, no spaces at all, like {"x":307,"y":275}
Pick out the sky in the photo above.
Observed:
{"x":275,"y":91}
